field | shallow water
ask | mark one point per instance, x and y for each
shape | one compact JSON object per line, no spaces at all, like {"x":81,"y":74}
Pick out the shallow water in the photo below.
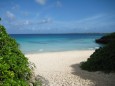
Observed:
{"x":37,"y":43}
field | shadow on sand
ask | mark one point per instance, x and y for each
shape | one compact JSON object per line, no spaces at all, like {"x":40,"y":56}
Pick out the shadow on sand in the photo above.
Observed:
{"x":98,"y":78}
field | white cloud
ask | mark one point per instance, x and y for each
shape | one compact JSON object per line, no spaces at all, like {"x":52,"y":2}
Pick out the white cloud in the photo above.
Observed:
{"x":41,"y":2}
{"x":59,"y":4}
{"x":30,"y":23}
{"x":10,"y":15}
{"x":26,"y":22}
{"x":92,"y":18}
{"x":44,"y":21}
{"x":95,"y":23}
{"x":15,"y":7}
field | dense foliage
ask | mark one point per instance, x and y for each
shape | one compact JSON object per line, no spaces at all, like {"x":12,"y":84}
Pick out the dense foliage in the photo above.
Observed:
{"x":103,"y":59}
{"x":106,"y":39}
{"x":14,"y":66}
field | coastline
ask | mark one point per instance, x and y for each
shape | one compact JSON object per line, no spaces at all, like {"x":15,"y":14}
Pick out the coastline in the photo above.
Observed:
{"x":62,"y":69}
{"x":65,"y":51}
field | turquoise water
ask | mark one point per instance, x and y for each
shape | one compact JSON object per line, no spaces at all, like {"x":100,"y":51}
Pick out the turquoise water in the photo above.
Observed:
{"x":37,"y":43}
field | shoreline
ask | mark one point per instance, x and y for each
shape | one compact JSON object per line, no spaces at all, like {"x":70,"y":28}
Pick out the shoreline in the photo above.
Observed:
{"x":62,"y":69}
{"x":59,"y":51}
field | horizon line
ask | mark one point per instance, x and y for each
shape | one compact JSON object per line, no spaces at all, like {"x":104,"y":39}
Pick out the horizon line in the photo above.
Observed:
{"x":58,"y":33}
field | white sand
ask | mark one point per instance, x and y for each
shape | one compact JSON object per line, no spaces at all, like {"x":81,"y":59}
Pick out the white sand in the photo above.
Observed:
{"x":62,"y":69}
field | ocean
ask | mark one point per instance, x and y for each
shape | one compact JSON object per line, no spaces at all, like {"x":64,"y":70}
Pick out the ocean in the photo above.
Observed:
{"x":39,"y":43}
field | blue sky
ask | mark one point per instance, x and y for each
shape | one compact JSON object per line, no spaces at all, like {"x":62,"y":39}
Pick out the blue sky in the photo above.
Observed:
{"x":58,"y":16}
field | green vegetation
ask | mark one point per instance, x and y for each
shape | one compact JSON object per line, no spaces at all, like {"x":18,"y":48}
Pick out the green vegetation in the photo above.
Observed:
{"x":103,"y":59}
{"x":14,"y":66}
{"x":106,"y":39}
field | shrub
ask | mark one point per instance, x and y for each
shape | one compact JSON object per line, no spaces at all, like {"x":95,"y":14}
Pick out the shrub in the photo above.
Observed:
{"x":14,"y":66}
{"x":106,"y":39}
{"x":103,"y":59}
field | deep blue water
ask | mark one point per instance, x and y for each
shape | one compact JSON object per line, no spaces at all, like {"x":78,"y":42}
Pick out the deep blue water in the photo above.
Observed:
{"x":36,"y":43}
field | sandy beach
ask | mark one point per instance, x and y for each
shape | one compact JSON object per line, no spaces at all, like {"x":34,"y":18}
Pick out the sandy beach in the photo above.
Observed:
{"x":62,"y":69}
